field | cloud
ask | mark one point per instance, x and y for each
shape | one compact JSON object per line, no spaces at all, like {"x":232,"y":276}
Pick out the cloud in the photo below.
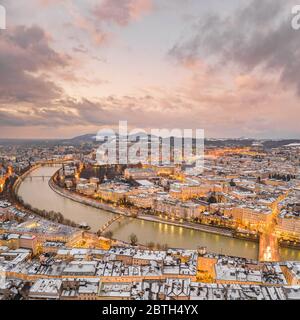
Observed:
{"x":143,"y":111}
{"x":121,"y":12}
{"x":50,"y":116}
{"x":98,"y":36}
{"x":47,"y":3}
{"x":91,"y":18}
{"x":257,"y":35}
{"x":222,"y":112}
{"x":25,"y":58}
{"x":231,"y":84}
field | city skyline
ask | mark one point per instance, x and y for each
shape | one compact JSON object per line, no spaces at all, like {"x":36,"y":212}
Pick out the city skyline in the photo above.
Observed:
{"x":76,"y":67}
{"x":149,"y":154}
{"x":76,"y":226}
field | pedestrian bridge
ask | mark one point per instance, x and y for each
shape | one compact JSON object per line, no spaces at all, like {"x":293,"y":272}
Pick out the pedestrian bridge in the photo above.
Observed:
{"x":109,"y":223}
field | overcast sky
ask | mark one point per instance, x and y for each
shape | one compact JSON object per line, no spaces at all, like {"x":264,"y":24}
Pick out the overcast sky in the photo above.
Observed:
{"x":72,"y":67}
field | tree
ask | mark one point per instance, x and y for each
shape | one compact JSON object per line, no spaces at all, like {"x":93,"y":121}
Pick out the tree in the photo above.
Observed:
{"x":133,"y":239}
{"x":134,"y":214}
{"x":108,"y":234}
{"x":151,"y":245}
{"x":212,"y":199}
{"x":258,"y":180}
{"x":165,"y":247}
{"x":232,"y":183}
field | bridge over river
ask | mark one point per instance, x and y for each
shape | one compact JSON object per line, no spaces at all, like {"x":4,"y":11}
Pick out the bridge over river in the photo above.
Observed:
{"x":268,"y":248}
{"x":109,"y":223}
{"x":268,"y":241}
{"x":39,"y":194}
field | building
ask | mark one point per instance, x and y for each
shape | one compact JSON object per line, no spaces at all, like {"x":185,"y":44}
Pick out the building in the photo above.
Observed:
{"x":46,"y":289}
{"x":107,"y":193}
{"x":292,"y":273}
{"x":88,"y":189}
{"x":176,"y":209}
{"x":29,"y":242}
{"x":144,"y":201}
{"x":249,"y":215}
{"x":140,"y":173}
{"x":289,"y":227}
{"x":184,"y":191}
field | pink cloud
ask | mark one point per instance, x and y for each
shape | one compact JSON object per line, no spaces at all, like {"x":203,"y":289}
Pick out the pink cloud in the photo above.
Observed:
{"x":49,"y":2}
{"x":27,"y":58}
{"x":122,"y":12}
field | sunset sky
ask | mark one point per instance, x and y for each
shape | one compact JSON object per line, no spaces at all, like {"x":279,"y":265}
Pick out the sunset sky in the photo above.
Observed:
{"x":71,"y":67}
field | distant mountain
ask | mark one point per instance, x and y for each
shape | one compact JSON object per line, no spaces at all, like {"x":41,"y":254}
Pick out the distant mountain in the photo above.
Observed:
{"x":246,"y":142}
{"x":83,"y":138}
{"x":280,"y":143}
{"x":93,"y":137}
{"x":211,"y":142}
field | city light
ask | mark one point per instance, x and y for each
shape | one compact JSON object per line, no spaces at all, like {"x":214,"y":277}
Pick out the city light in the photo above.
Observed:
{"x":149,"y":151}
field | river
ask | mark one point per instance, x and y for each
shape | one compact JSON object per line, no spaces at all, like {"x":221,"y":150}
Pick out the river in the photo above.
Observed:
{"x":36,"y":191}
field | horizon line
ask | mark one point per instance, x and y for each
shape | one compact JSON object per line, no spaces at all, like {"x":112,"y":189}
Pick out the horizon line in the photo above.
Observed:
{"x":206,"y":138}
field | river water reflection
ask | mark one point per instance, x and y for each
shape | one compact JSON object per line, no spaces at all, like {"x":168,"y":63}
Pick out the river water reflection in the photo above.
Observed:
{"x":38,"y":194}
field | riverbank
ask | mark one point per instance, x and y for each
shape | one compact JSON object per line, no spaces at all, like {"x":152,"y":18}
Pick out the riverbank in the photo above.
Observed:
{"x":98,"y":205}
{"x":82,"y":200}
{"x":38,"y":193}
{"x":52,"y":216}
{"x":150,"y":218}
{"x":20,"y":179}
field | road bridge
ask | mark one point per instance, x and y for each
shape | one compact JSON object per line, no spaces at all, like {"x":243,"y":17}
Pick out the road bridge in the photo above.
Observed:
{"x":268,"y":248}
{"x":268,"y":241}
